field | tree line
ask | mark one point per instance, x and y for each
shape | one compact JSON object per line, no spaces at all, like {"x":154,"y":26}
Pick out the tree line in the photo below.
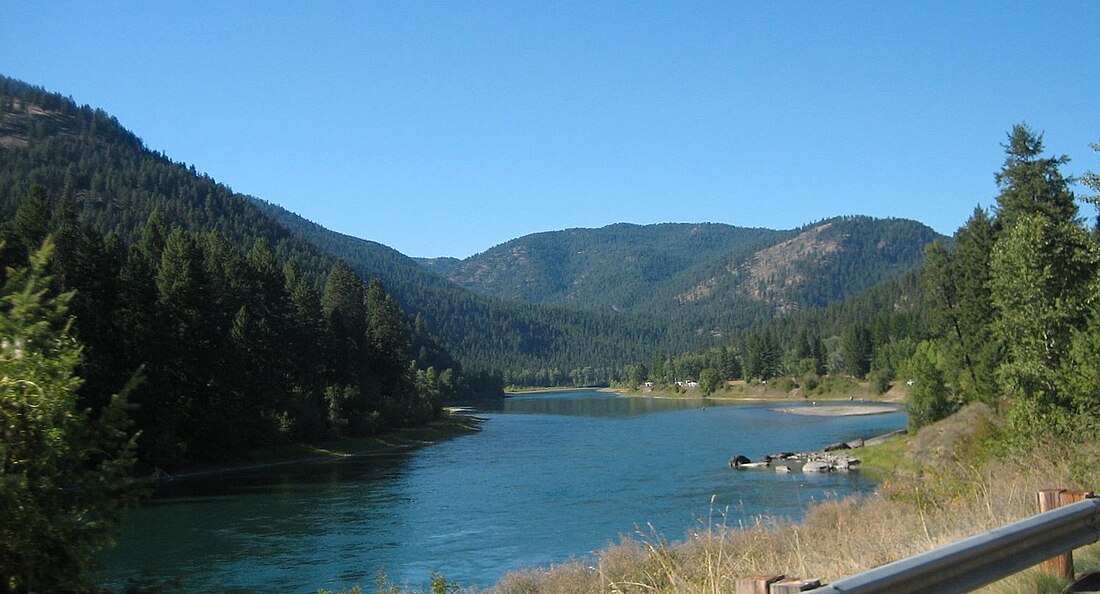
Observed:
{"x":234,"y":350}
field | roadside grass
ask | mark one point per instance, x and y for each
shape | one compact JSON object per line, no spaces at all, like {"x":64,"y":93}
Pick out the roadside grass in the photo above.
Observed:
{"x":884,"y":459}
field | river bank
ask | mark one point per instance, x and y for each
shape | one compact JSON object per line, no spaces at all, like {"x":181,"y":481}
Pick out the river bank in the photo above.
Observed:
{"x":456,"y":422}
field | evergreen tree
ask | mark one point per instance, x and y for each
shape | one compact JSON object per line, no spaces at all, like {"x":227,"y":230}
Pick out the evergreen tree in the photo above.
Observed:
{"x":858,"y":350}
{"x":1031,"y":184}
{"x":761,"y":356}
{"x":63,"y":476}
{"x":33,"y":219}
{"x":975,"y":314}
{"x":388,"y":331}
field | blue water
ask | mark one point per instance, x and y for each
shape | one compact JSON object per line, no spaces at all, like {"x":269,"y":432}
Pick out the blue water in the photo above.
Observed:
{"x":549,"y":478}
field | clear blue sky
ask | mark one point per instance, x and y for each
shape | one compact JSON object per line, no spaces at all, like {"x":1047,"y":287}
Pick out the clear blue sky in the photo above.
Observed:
{"x":447,"y":128}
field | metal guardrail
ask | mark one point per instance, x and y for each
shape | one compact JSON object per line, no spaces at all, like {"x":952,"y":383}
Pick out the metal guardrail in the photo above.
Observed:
{"x":969,"y":564}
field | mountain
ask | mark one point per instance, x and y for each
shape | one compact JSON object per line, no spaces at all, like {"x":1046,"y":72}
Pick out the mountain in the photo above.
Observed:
{"x":614,"y":267}
{"x":487,"y":332}
{"x":567,"y":306}
{"x":109,"y":179}
{"x":705,"y":275}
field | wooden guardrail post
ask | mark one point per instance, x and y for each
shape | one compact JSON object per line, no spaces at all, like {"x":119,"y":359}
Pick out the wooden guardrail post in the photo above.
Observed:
{"x":1048,"y":499}
{"x":794,"y":586}
{"x":756,"y":584}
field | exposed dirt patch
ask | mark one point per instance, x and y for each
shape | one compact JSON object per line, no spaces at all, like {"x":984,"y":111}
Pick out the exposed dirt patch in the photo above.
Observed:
{"x":771,"y":273}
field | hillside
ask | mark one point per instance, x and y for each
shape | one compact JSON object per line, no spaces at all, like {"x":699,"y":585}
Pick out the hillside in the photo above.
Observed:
{"x":110,"y":179}
{"x":708,"y":276}
{"x":613,"y":267}
{"x":491,"y":333}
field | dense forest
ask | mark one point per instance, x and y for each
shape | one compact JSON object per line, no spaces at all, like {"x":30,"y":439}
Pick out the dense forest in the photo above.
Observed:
{"x":231,"y":350}
{"x":110,"y":180}
{"x":523,"y":342}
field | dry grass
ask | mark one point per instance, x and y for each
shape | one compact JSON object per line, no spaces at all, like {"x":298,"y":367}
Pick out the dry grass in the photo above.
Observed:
{"x":961,"y":489}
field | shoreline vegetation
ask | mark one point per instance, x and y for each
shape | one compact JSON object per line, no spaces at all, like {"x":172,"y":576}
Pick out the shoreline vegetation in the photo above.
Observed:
{"x":455,"y":422}
{"x":741,"y":391}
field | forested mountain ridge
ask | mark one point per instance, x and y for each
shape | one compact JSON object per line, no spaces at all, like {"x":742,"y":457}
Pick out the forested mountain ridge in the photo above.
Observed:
{"x":110,"y":180}
{"x":626,"y":287}
{"x":702,"y":268}
{"x":490,"y":333}
{"x":612,"y":267}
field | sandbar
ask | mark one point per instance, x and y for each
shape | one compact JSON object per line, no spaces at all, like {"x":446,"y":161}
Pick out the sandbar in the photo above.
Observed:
{"x":838,"y":410}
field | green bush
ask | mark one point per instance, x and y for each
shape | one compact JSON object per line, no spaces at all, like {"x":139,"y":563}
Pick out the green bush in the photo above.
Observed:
{"x":785,"y":384}
{"x":880,"y":380}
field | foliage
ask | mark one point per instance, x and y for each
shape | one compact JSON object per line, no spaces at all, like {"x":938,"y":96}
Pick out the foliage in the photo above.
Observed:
{"x":64,"y":474}
{"x":1014,"y":305}
{"x":858,"y":350}
{"x":1031,"y":184}
{"x":880,"y":380}
{"x":929,"y":400}
{"x":710,"y":381}
{"x":1041,"y":281}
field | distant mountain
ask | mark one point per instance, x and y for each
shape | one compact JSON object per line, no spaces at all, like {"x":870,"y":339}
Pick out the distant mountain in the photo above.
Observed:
{"x":442,"y":266}
{"x":706,"y":275}
{"x":487,"y":332}
{"x":613,"y":267}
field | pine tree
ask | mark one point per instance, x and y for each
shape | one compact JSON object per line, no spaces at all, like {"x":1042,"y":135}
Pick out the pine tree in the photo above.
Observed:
{"x":858,"y":350}
{"x":1031,"y":184}
{"x":63,"y":476}
{"x":975,"y":314}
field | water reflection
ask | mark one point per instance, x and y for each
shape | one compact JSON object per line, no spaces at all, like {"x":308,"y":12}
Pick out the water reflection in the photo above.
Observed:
{"x":588,"y":403}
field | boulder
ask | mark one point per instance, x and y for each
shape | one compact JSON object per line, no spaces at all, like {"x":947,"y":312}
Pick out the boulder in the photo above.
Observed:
{"x":739,"y":461}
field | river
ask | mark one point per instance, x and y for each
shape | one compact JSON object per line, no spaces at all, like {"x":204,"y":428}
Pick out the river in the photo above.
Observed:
{"x":550,"y":477}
